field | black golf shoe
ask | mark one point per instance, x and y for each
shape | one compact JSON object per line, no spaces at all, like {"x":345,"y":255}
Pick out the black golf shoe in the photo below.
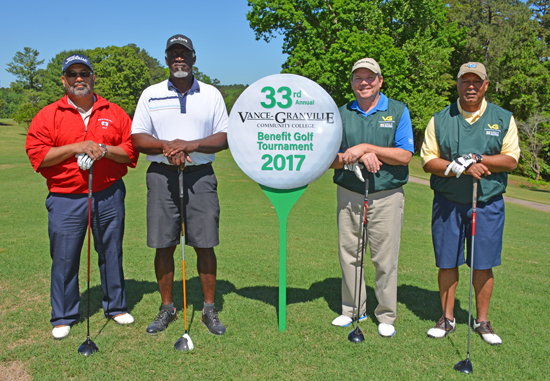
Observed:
{"x":212,"y":322}
{"x":162,"y":320}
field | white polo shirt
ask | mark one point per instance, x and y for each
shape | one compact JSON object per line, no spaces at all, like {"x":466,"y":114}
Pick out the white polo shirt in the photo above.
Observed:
{"x":165,"y":113}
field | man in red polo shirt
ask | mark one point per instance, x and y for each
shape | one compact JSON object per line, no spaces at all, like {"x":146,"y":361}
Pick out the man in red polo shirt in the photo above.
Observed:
{"x":64,"y":140}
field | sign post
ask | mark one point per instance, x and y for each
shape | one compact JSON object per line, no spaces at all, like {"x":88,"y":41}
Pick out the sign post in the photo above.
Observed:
{"x":284,"y":133}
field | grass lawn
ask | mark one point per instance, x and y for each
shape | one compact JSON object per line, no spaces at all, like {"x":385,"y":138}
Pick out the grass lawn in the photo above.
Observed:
{"x":247,"y":294}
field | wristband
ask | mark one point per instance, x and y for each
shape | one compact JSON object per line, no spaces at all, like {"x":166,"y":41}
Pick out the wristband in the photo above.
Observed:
{"x":105,"y":149}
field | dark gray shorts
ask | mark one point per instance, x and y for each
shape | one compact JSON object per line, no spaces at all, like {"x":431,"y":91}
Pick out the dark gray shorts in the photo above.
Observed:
{"x":201,"y":207}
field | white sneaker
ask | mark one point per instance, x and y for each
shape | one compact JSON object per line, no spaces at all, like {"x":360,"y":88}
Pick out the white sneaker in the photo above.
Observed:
{"x":386,"y":330}
{"x":346,"y":321}
{"x":443,"y":327}
{"x":486,"y":332}
{"x":123,"y":319}
{"x":61,"y":332}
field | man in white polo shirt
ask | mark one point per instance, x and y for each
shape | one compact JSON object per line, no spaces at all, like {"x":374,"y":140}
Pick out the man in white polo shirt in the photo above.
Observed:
{"x":180,"y":124}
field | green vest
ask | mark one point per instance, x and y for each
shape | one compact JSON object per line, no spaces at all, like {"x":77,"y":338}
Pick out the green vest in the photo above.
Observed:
{"x":457,"y":137}
{"x":377,"y":129}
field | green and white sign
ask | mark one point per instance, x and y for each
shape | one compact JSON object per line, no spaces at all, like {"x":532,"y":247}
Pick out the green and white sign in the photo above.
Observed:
{"x":284,"y":131}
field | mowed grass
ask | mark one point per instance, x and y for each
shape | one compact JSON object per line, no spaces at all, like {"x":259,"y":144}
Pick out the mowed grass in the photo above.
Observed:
{"x":247,"y":294}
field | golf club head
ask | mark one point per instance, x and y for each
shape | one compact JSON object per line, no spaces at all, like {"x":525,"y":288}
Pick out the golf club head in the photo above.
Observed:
{"x":356,"y":336}
{"x":88,"y":348}
{"x":184,"y":343}
{"x":464,"y":366}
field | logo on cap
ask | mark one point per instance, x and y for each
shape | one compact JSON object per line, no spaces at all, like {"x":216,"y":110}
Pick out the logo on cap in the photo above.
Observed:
{"x":472,"y":65}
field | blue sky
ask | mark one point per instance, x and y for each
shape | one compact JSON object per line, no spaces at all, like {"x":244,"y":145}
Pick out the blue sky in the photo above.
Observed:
{"x":225,"y":44}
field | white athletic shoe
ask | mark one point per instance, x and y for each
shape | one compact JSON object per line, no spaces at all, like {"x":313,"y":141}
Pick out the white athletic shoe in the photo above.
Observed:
{"x":346,"y":321}
{"x":443,"y":327}
{"x":386,"y":330}
{"x":123,"y":319}
{"x":61,"y":332}
{"x":486,"y":332}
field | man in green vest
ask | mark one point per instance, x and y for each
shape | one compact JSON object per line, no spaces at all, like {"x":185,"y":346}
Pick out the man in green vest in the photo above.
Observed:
{"x":377,"y":132}
{"x":470,"y":139}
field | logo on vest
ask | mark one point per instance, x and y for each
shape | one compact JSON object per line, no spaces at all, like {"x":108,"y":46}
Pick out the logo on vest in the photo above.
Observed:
{"x":493,"y":130}
{"x":386,"y":122}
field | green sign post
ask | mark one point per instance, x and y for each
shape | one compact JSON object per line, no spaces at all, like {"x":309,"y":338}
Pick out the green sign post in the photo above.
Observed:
{"x":284,"y":132}
{"x":283,"y":200}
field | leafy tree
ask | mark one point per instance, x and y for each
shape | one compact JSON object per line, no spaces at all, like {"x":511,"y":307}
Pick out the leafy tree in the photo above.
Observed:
{"x":121,"y":76}
{"x":156,"y":71}
{"x":410,"y":39}
{"x":542,"y":16}
{"x":24,"y":66}
{"x":25,"y":114}
{"x":537,"y":132}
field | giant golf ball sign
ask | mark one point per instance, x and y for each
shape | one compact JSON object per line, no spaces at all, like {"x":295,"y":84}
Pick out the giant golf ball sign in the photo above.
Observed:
{"x":284,"y":131}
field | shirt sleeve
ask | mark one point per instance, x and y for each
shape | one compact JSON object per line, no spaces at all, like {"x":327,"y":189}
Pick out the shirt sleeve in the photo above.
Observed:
{"x":126,"y":145}
{"x":510,"y":143}
{"x":404,"y":132}
{"x":39,"y":140}
{"x":221,"y":119}
{"x":430,"y":148}
{"x":142,"y":122}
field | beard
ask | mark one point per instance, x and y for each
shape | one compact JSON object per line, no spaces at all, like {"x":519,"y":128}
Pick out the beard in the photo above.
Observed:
{"x":78,"y":93}
{"x":180,"y":73}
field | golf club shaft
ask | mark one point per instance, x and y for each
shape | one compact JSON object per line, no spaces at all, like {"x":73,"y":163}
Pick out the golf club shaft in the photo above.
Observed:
{"x":183,"y":247}
{"x":363,"y":244}
{"x":474,"y":206}
{"x":90,"y":178}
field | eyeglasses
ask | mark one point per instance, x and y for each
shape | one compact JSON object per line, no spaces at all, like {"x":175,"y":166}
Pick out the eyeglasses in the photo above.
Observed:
{"x":82,"y":74}
{"x":179,"y":52}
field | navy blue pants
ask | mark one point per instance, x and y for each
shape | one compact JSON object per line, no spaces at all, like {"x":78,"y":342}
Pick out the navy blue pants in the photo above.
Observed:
{"x":67,"y":228}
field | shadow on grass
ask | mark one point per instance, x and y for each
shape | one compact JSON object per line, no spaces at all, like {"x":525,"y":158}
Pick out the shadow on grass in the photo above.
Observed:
{"x":135,"y":291}
{"x":426,"y":304}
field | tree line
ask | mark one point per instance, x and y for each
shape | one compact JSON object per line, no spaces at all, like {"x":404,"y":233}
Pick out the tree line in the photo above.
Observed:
{"x":420,"y":46}
{"x":122,"y":74}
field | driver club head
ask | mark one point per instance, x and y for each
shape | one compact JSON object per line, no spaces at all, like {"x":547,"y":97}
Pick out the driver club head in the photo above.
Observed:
{"x":464,"y":366}
{"x":356,"y":336}
{"x":88,"y":348}
{"x":184,"y":343}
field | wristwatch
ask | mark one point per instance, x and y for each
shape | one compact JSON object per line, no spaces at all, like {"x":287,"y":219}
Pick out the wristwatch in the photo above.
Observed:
{"x":477,"y":157}
{"x":105,"y":149}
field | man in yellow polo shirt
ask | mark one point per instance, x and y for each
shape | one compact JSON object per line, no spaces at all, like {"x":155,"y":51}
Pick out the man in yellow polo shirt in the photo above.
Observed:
{"x":469,"y":138}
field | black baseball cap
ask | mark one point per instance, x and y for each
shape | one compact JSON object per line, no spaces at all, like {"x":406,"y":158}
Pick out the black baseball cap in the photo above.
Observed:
{"x":180,"y":39}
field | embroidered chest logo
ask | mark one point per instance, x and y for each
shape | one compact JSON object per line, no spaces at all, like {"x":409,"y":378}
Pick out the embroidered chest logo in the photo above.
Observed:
{"x":386,"y":122}
{"x":493,"y":130}
{"x":104,"y":122}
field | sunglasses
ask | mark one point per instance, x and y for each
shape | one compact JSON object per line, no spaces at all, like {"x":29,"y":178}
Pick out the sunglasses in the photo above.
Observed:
{"x":82,"y":74}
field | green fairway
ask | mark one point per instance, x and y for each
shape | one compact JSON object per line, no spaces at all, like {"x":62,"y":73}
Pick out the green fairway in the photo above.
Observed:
{"x":247,"y":293}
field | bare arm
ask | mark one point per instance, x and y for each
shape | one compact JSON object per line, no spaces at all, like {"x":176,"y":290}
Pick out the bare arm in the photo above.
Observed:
{"x":388,"y":155}
{"x":495,"y":163}
{"x":58,"y":154}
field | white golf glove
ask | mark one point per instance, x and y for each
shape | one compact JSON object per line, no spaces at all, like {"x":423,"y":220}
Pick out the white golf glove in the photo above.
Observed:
{"x":84,"y":161}
{"x":356,"y":168}
{"x":460,"y":164}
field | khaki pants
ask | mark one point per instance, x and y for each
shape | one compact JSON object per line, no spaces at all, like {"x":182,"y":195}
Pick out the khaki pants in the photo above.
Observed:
{"x":384,"y":221}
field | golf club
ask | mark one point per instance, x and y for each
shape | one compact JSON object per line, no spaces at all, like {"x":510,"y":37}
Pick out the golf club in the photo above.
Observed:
{"x":356,"y":336}
{"x":184,"y":343}
{"x":466,"y":365}
{"x":88,"y":347}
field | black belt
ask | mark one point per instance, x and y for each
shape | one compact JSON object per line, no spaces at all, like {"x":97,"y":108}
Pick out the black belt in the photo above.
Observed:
{"x":187,"y":169}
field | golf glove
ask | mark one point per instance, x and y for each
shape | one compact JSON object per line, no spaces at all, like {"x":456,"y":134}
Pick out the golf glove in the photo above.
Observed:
{"x":356,"y":168}
{"x":460,"y":164}
{"x":84,"y":161}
